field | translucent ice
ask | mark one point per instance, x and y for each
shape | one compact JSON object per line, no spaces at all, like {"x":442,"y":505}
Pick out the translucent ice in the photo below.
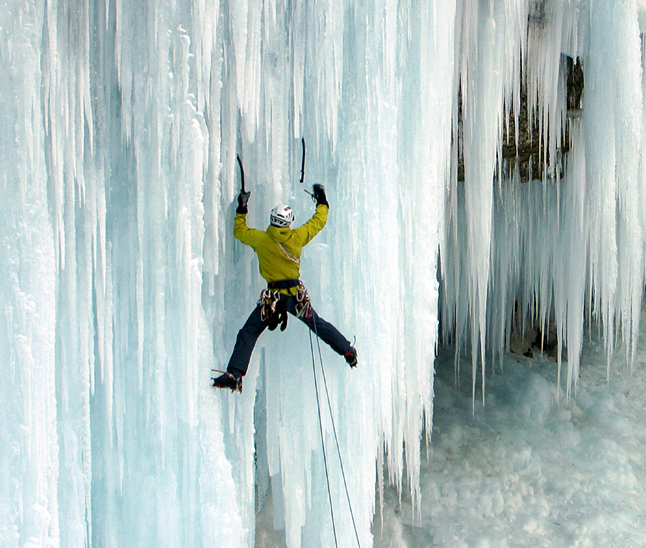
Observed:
{"x":479,"y":192}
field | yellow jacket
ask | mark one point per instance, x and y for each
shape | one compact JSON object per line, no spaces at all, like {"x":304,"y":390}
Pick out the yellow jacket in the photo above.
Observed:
{"x":279,"y":249}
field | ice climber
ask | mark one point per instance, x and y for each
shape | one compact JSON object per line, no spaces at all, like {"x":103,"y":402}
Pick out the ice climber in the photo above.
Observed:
{"x":279,"y":251}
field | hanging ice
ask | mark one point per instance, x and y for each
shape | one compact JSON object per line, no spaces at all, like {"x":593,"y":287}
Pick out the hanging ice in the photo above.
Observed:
{"x":445,"y":132}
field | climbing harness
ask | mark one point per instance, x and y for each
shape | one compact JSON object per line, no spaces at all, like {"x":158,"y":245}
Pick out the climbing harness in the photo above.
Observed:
{"x":270,"y":297}
{"x":284,"y":284}
{"x":336,"y":438}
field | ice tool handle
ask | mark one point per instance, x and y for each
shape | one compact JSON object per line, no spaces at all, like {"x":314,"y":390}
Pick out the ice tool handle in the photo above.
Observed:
{"x":303,"y":160}
{"x":244,"y":190}
{"x":303,"y":170}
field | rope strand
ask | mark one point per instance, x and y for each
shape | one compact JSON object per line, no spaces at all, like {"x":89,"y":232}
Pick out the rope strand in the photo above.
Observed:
{"x":336,"y":438}
{"x":327,"y":474}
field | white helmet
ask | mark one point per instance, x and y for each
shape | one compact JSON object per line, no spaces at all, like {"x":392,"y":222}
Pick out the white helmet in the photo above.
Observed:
{"x":281,"y":216}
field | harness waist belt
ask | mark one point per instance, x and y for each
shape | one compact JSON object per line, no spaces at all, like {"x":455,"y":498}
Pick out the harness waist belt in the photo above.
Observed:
{"x":283,"y":284}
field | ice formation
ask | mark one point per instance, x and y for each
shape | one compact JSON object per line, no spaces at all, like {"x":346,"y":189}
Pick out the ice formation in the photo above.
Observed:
{"x":122,"y":285}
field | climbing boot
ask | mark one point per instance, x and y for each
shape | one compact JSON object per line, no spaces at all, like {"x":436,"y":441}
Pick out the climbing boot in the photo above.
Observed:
{"x":351,"y":356}
{"x":233,"y":381}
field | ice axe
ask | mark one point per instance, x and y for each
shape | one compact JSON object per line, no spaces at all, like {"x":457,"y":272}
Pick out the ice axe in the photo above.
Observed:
{"x":303,"y":170}
{"x":244,"y":190}
{"x":303,"y":160}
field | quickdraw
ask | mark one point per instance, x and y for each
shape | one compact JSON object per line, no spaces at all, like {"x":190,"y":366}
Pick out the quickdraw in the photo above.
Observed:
{"x":303,"y":306}
{"x":267,"y":303}
{"x":272,"y":309}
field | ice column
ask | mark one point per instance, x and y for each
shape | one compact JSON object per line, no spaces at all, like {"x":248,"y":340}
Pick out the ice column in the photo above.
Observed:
{"x":103,"y":231}
{"x":29,"y":444}
{"x":613,"y":123}
{"x":491,"y":35}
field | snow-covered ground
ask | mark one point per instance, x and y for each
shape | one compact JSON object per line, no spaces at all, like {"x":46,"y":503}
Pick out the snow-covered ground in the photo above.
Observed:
{"x":526,"y":470}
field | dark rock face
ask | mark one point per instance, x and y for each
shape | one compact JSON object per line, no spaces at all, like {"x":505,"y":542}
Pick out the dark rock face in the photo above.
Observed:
{"x":525,"y":146}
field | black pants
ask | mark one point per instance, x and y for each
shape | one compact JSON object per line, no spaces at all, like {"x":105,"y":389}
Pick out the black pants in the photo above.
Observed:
{"x":254,"y":326}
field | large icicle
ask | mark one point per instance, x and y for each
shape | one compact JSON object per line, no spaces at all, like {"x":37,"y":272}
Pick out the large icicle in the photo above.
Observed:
{"x":491,"y":37}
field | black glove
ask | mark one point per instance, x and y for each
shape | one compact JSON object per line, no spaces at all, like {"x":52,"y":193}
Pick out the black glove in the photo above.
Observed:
{"x":319,"y":195}
{"x":243,"y":199}
{"x":279,"y":317}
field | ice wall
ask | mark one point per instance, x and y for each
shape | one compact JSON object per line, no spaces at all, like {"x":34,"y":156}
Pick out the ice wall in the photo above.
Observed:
{"x":357,"y":86}
{"x":123,"y":286}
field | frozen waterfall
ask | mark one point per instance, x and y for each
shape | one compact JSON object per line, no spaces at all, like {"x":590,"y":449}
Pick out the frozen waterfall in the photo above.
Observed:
{"x":484,"y":163}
